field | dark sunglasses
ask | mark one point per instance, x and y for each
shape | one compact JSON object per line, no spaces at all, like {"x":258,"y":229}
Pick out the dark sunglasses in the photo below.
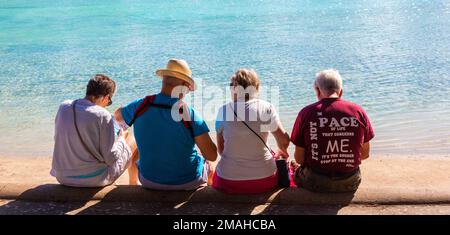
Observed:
{"x":110,"y":100}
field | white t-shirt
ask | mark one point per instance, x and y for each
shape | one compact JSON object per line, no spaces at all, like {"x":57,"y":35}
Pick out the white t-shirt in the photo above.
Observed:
{"x":245,"y":157}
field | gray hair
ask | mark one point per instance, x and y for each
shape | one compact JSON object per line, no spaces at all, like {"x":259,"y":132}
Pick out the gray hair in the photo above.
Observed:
{"x":328,"y":81}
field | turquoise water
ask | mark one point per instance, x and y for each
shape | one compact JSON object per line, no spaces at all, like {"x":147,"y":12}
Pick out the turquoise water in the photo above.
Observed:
{"x":394,"y":56}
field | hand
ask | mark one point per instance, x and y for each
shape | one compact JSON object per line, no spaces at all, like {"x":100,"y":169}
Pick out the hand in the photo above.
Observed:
{"x":123,"y":133}
{"x":282,"y":153}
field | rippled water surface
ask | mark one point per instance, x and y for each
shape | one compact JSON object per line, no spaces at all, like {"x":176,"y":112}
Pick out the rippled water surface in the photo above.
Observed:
{"x":394,"y":56}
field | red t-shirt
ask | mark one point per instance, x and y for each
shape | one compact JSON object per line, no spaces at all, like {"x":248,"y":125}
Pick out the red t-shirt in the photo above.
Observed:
{"x":332,"y":131}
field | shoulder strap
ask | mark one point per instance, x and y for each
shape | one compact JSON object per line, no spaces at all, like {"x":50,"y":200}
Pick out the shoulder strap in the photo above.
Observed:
{"x":149,"y":101}
{"x":78,"y":132}
{"x":264,"y":142}
{"x":142,"y":108}
{"x":187,"y":123}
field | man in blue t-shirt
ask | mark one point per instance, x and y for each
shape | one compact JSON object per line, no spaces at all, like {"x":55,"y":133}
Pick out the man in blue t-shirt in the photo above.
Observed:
{"x":168,"y":159}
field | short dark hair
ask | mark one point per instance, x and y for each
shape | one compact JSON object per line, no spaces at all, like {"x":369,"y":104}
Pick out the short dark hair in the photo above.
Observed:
{"x":100,"y":85}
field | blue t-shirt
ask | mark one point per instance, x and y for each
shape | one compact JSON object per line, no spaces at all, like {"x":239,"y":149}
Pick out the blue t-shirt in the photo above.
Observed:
{"x":167,"y":153}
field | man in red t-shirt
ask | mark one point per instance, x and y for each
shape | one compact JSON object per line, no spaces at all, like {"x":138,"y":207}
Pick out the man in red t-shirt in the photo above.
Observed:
{"x":331,"y":137}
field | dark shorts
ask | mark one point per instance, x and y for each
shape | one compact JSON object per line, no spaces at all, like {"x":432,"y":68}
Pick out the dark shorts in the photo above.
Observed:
{"x":317,"y":182}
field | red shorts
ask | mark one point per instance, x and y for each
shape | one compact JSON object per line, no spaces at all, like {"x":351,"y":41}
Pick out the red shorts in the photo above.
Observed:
{"x":245,"y":186}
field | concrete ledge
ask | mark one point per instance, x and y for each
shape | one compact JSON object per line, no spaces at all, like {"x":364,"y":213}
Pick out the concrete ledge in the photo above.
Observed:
{"x":376,"y":195}
{"x":386,"y":180}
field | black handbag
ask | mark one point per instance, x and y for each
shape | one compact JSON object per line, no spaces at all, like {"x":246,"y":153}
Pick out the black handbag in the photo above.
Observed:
{"x":283,"y":174}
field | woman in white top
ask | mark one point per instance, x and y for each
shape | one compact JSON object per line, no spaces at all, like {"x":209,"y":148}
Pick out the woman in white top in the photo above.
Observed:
{"x":243,"y":125}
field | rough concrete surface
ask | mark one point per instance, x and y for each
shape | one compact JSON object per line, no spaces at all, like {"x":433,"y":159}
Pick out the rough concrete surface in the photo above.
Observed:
{"x":391,"y":185}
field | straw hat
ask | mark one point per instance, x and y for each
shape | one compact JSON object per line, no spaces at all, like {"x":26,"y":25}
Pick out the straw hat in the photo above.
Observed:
{"x":178,"y":69}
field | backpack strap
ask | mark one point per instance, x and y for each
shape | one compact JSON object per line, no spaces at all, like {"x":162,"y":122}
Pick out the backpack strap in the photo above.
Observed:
{"x":149,"y":101}
{"x":186,"y":117}
{"x":142,"y":108}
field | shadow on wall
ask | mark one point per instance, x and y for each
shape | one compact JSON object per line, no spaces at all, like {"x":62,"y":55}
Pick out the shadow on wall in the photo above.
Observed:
{"x":49,"y":199}
{"x":124,"y":199}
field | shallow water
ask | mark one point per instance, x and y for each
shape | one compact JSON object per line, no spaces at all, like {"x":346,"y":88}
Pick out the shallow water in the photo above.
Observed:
{"x":394,"y":56}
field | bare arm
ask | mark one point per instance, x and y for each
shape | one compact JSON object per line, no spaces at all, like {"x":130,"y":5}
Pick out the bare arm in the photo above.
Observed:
{"x":118,"y":115}
{"x":220,"y":142}
{"x":299,"y":155}
{"x":206,"y":146}
{"x":365,"y":151}
{"x":282,"y":138}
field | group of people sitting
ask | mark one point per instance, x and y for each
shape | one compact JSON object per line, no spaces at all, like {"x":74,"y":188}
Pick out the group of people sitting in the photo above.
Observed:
{"x":171,"y":149}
